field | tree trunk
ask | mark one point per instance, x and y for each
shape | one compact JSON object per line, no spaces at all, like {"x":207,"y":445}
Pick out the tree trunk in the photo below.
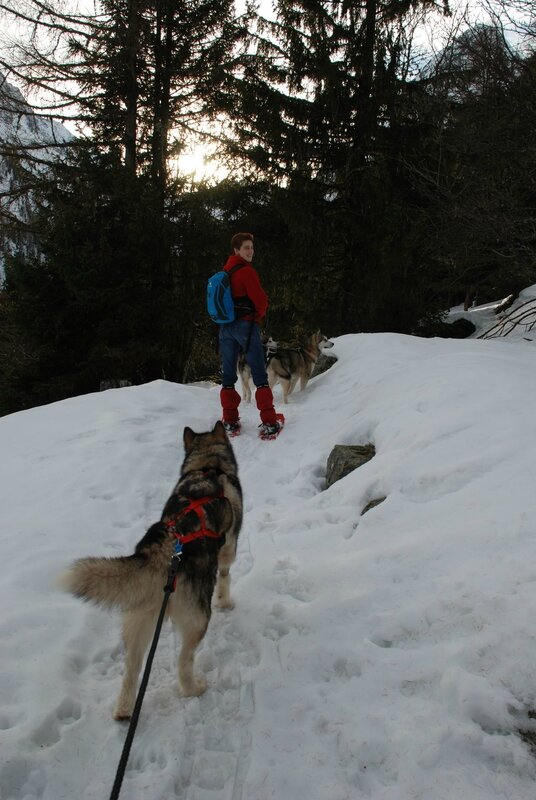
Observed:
{"x":132,"y":89}
{"x":162,"y":90}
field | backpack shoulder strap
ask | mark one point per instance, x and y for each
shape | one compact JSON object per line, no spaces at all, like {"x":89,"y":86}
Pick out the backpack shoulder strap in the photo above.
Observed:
{"x":234,"y":269}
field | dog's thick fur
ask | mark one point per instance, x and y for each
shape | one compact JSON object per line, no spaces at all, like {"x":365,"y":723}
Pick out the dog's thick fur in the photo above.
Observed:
{"x":288,"y":365}
{"x":135,"y":583}
{"x":270,"y":347}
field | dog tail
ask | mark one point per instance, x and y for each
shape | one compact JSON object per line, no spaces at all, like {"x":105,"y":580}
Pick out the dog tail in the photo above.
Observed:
{"x":125,"y":582}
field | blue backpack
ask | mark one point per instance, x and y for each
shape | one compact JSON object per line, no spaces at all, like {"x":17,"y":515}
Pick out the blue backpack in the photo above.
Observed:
{"x":220,"y":303}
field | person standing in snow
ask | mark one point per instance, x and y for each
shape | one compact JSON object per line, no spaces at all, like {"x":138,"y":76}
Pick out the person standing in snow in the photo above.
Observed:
{"x":243,"y":335}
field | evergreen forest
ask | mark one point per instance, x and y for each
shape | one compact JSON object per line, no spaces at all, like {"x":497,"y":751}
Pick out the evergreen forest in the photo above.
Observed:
{"x":384,"y":178}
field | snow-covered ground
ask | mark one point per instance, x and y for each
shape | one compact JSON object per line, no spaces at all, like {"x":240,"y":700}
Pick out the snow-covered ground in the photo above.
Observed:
{"x":389,"y":656}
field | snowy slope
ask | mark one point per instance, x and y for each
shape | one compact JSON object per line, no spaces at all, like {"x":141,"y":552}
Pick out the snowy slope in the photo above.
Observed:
{"x":486,"y":320}
{"x":39,"y":137}
{"x":19,"y":124}
{"x":389,"y":656}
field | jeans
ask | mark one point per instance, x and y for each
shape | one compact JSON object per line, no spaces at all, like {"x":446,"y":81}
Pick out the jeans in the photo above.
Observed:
{"x":233,"y":340}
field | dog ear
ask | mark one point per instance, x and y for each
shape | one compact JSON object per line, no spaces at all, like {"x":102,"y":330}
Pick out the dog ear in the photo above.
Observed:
{"x":188,"y":437}
{"x":220,"y":431}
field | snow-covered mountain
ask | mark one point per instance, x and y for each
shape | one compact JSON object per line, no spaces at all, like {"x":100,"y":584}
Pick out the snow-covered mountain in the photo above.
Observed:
{"x":28,"y":141}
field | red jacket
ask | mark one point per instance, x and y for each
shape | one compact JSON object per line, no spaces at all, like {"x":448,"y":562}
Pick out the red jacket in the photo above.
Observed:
{"x":246,"y":282}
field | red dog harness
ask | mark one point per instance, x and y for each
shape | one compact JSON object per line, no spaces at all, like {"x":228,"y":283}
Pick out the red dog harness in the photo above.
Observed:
{"x":197,"y":506}
{"x":171,"y":525}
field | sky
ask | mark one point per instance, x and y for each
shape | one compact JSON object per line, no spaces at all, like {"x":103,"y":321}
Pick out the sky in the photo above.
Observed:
{"x":384,"y":656}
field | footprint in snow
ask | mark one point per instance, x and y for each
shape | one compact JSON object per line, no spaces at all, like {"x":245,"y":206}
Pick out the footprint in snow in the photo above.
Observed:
{"x":50,"y":731}
{"x":10,"y":718}
{"x":20,"y":779}
{"x":108,"y":662}
{"x":289,"y":582}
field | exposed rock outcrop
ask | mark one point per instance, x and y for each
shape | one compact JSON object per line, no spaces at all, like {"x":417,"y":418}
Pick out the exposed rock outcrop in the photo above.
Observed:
{"x":344,"y":458}
{"x":324,"y":362}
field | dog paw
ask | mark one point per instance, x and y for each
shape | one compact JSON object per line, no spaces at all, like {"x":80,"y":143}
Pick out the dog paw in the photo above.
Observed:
{"x":122,"y":712}
{"x":197,"y":686}
{"x":120,"y":717}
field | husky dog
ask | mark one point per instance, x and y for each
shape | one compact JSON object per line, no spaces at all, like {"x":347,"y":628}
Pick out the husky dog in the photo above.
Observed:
{"x":270,"y":347}
{"x":204,"y":513}
{"x":289,"y":364}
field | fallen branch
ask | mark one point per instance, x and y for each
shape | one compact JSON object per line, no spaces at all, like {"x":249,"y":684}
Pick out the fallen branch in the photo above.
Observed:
{"x":525,"y":315}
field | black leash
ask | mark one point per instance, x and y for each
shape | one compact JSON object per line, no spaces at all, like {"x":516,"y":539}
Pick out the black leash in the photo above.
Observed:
{"x":169,"y":588}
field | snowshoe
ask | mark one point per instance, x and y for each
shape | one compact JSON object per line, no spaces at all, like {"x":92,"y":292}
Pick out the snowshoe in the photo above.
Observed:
{"x":232,"y":428}
{"x":268,"y":432}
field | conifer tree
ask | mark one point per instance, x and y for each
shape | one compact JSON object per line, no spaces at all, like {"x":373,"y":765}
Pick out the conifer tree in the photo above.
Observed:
{"x":472,"y":165}
{"x":320,"y":112}
{"x":137,"y":76}
{"x":91,"y":306}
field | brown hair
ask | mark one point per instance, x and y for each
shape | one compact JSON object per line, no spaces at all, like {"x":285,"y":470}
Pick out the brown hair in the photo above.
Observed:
{"x":239,"y":238}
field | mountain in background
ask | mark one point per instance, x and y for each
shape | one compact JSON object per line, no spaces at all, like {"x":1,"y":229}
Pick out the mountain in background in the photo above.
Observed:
{"x":28,"y":143}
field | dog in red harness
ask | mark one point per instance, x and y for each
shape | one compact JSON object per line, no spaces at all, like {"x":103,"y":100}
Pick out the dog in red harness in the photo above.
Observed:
{"x":200,"y":522}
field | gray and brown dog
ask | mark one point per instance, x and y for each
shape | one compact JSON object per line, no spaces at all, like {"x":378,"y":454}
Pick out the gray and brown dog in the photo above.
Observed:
{"x":204,"y":512}
{"x":290,"y":364}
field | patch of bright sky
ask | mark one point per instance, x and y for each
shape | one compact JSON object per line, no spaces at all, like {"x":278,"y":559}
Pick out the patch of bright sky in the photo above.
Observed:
{"x":197,"y":163}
